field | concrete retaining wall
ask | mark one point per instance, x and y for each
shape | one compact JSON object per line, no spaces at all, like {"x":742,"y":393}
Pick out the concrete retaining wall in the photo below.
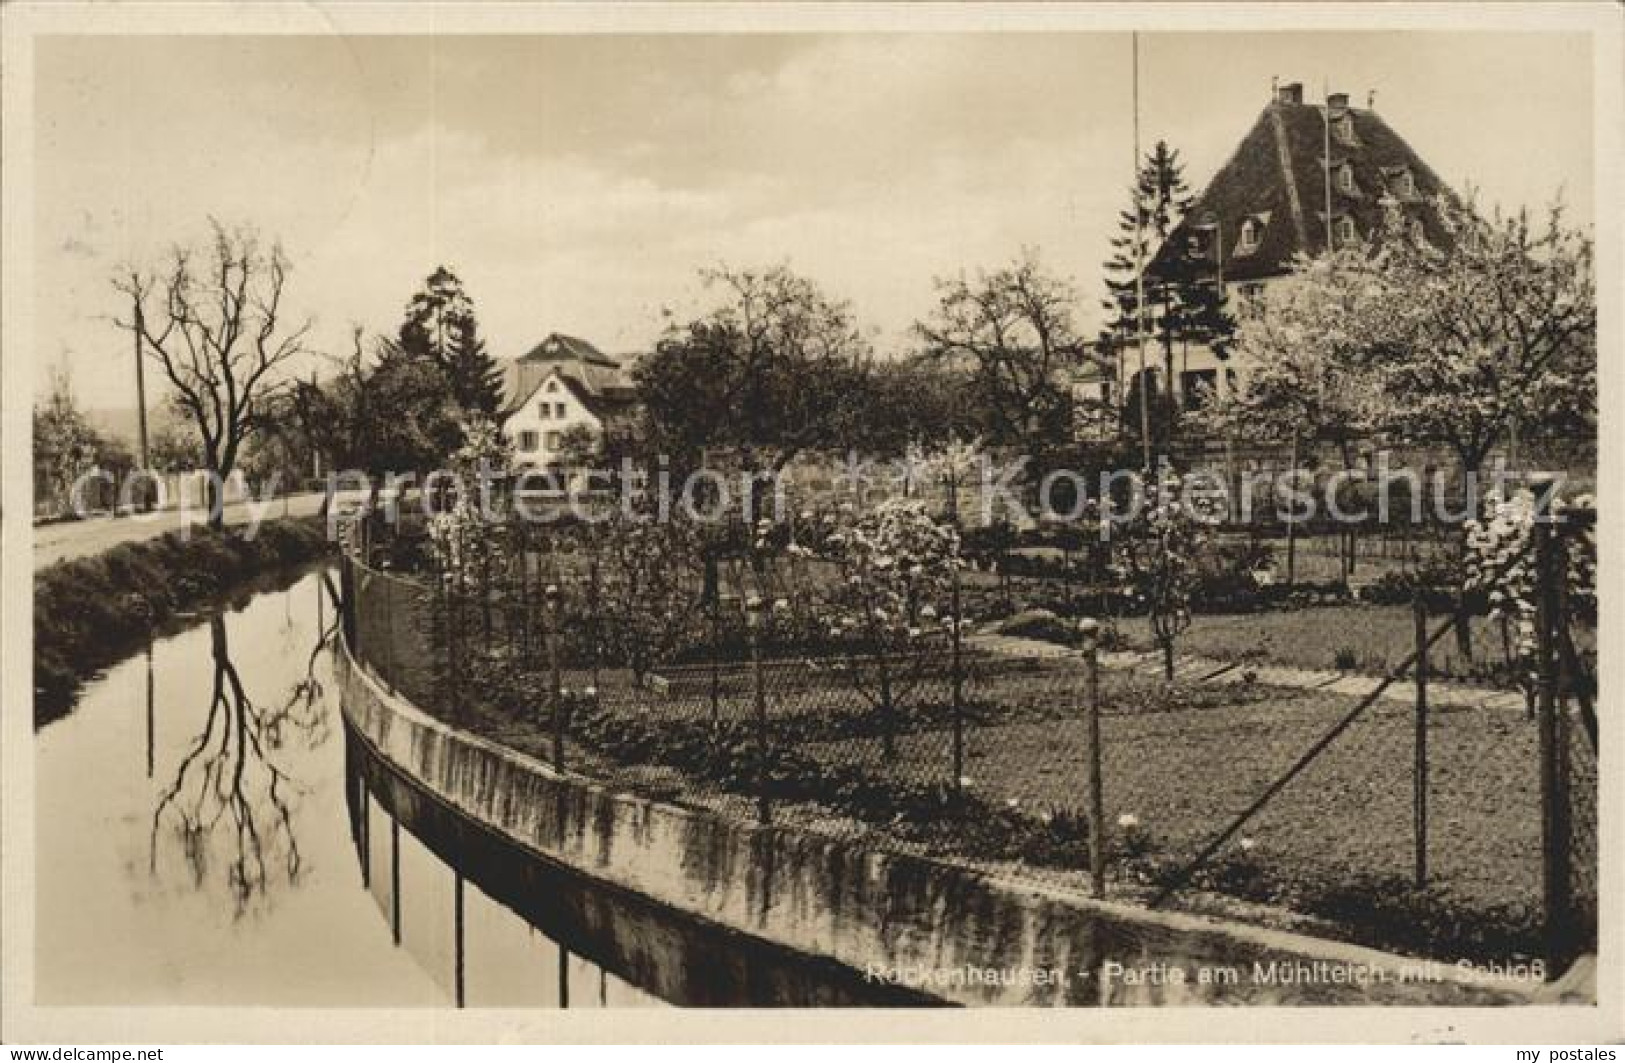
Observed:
{"x":962,"y":936}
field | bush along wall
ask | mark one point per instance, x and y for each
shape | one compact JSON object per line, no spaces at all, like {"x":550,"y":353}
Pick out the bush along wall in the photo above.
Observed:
{"x":92,"y":611}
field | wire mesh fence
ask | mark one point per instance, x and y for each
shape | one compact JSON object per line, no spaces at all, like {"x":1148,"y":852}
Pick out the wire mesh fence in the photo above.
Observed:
{"x":1583,"y":848}
{"x":1413,"y":830}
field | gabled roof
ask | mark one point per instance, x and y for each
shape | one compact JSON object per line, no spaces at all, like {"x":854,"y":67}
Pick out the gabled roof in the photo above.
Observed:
{"x":595,"y":375}
{"x":559,"y":347}
{"x":1278,"y":176}
{"x":603,"y":401}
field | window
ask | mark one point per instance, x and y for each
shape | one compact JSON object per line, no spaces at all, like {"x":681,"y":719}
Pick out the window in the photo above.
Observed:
{"x":1345,"y":178}
{"x":544,"y":410}
{"x":558,"y":410}
{"x":1346,"y":233}
{"x":553,"y":440}
{"x":527,"y":441}
{"x":1343,"y":129}
{"x":1405,"y":184}
{"x":553,"y":385}
{"x":1419,"y":232}
{"x":1251,"y":233}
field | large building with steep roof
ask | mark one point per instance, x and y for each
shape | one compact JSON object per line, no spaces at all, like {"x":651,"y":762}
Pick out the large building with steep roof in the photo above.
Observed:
{"x":1304,"y":175}
{"x":562,"y":383}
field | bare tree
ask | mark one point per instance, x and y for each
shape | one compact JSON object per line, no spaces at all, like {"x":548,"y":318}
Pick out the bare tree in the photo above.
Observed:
{"x":213,"y":321}
{"x":1013,"y":328}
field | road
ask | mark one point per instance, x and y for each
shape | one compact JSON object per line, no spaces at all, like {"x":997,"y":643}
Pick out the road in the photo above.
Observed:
{"x":78,"y":538}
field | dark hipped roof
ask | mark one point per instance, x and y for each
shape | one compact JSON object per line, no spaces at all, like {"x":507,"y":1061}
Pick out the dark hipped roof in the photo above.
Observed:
{"x":1277,"y":177}
{"x":559,"y":347}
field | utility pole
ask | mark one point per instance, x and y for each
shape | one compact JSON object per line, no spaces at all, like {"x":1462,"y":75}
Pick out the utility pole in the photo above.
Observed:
{"x":1326,"y":142}
{"x":1139,"y":269}
{"x":141,"y":388}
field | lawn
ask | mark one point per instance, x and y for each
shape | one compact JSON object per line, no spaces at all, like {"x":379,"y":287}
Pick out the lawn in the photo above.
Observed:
{"x":1374,"y":637}
{"x":1185,"y":774}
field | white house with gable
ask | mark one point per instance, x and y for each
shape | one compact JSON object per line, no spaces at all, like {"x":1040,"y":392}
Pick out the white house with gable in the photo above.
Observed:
{"x":563,"y":383}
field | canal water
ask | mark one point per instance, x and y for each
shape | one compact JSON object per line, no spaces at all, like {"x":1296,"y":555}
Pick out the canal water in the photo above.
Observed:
{"x":196,"y":846}
{"x":210,"y":832}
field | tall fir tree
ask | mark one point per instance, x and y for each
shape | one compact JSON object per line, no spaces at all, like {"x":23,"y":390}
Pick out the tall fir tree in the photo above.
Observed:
{"x":1184,"y":302}
{"x":441,"y":326}
{"x":476,"y":379}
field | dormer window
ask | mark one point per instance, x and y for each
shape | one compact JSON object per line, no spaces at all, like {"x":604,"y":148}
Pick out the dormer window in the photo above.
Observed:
{"x":1345,"y":230}
{"x":1343,"y":129}
{"x":1251,"y":234}
{"x":1345,"y":178}
{"x":1405,"y":184}
{"x":1419,"y":232}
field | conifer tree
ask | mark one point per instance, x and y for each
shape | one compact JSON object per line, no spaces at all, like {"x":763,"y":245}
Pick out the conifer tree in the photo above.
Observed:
{"x":441,"y":326}
{"x":1184,"y":302}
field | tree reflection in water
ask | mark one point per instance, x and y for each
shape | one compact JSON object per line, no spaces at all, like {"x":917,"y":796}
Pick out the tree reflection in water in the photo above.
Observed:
{"x":230,"y":798}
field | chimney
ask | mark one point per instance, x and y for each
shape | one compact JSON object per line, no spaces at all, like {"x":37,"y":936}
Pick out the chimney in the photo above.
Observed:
{"x":1292,"y":92}
{"x":1337,"y":102}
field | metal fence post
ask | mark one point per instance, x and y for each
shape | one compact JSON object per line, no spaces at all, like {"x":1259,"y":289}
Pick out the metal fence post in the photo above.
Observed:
{"x":1554,"y":794}
{"x":458,"y":616}
{"x":957,"y":666}
{"x":1419,"y":797}
{"x":390,"y":680}
{"x":555,"y":689}
{"x":1089,"y":633}
{"x":754,"y":608}
{"x":713,"y":600}
{"x":595,"y":619}
{"x":347,"y":601}
{"x":445,"y":602}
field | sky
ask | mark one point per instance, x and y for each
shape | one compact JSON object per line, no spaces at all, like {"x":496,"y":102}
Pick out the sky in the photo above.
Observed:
{"x":578,"y":183}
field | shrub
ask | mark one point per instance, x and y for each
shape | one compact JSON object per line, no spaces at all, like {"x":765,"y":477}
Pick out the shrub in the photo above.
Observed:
{"x":1044,"y":628}
{"x":89,"y":612}
{"x":1436,"y":580}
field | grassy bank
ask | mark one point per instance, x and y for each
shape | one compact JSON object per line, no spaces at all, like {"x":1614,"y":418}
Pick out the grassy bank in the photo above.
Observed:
{"x":90,"y":612}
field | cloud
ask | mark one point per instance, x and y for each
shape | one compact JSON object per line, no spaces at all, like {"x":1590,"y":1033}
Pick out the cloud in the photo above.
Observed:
{"x":578,"y":183}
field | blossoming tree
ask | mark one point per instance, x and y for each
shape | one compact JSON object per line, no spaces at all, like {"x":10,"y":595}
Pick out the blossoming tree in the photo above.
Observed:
{"x":648,"y":587}
{"x":893,"y":568}
{"x":1494,"y":334}
{"x":1156,"y":547}
{"x":1308,"y":381}
{"x":1501,"y":562}
{"x":468,"y":538}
